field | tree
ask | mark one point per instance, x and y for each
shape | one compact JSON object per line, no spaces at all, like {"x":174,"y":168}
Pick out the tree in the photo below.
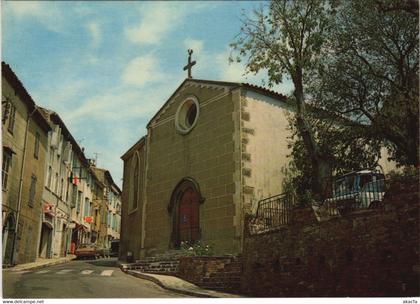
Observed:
{"x":345,"y":149}
{"x":370,"y":73}
{"x":287,"y":41}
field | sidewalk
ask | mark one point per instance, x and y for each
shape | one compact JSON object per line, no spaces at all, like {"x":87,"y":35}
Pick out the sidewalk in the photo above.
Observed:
{"x":178,"y":285}
{"x":41,"y":263}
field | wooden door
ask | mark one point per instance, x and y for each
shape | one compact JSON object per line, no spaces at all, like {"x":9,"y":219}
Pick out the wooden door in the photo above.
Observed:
{"x":189,"y":216}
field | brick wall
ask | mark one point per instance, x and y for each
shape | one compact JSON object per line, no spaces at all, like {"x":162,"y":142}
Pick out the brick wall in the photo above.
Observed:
{"x":217,"y":273}
{"x":168,"y":267}
{"x":368,"y":253}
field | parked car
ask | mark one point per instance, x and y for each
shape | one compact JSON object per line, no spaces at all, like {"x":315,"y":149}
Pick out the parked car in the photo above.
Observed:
{"x":87,"y":251}
{"x":360,"y":189}
{"x":115,"y":247}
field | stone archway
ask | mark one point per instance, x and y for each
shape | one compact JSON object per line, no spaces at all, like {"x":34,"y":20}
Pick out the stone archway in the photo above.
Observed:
{"x":184,"y":208}
{"x":8,"y":234}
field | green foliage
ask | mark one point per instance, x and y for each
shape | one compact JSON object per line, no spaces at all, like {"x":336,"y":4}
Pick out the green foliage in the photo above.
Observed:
{"x":196,"y":249}
{"x":369,"y":75}
{"x":354,"y":66}
{"x":281,"y":37}
{"x":406,"y":173}
{"x":345,"y":150}
{"x":286,"y":39}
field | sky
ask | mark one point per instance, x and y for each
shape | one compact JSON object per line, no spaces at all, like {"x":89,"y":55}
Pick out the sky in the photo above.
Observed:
{"x":106,"y":67}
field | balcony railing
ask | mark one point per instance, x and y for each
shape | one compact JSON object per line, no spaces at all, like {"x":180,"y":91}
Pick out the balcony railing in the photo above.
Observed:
{"x":272,"y":213}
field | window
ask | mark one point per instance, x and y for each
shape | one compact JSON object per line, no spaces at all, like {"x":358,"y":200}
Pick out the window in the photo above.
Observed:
{"x":5,"y":107}
{"x":12,"y":118}
{"x":61,"y":188}
{"x":74,"y":196}
{"x":187,"y":115}
{"x":86,"y":207}
{"x":56,"y":183}
{"x":114,"y":222}
{"x":36,"y":148}
{"x":49,"y":177}
{"x":79,"y":201}
{"x":7,"y":161}
{"x":109,"y":219}
{"x":32,"y":190}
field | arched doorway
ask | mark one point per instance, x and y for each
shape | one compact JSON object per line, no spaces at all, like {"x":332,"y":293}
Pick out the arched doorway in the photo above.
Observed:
{"x":184,"y":208}
{"x":8,"y":234}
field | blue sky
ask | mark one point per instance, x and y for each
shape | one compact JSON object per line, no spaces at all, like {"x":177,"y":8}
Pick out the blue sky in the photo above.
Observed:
{"x":107,"y":67}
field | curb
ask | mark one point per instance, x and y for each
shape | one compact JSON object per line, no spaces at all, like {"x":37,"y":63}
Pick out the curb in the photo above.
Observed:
{"x":12,"y":269}
{"x":156,"y":281}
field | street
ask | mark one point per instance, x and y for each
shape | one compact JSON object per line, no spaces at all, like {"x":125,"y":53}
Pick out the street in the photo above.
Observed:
{"x":80,"y":279}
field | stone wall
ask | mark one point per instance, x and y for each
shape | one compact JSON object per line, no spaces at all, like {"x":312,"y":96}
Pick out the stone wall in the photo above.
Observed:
{"x":217,"y":273}
{"x":367,"y":253}
{"x":221,"y":273}
{"x":167,"y":267}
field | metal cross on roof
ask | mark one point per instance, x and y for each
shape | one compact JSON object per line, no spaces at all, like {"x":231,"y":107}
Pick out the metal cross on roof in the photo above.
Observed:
{"x":190,"y":63}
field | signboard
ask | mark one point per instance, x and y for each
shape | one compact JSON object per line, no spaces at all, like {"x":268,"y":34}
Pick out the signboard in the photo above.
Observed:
{"x":71,"y":225}
{"x":89,"y":219}
{"x":47,"y":208}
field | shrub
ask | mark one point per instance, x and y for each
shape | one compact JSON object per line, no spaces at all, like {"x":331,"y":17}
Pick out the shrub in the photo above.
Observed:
{"x":196,"y":249}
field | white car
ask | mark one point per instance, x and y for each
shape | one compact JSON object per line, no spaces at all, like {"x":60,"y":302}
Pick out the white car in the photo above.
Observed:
{"x":356,"y":190}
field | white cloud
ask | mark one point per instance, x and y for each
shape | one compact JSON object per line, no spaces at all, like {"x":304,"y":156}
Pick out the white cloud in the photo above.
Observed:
{"x":46,"y":13}
{"x":115,"y":104}
{"x":95,"y":33}
{"x":156,"y":20}
{"x":231,"y":71}
{"x":142,"y":70}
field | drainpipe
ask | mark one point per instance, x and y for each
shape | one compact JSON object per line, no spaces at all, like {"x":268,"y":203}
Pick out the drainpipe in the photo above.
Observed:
{"x":22,"y":169}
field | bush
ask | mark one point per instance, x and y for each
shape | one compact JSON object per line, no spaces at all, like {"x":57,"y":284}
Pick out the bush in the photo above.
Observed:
{"x":196,"y":249}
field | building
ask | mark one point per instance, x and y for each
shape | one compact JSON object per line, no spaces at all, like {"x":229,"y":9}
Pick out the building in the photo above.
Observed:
{"x":63,"y":183}
{"x":212,"y":151}
{"x":110,"y":210}
{"x":25,"y":141}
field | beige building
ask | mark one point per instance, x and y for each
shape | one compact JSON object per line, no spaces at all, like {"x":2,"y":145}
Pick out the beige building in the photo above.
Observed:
{"x":61,"y":190}
{"x":24,"y":140}
{"x":110,"y":208}
{"x":210,"y":152}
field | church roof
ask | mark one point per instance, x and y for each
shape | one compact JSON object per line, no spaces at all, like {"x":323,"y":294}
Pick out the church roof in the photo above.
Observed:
{"x":233,"y":85}
{"x":134,"y":147}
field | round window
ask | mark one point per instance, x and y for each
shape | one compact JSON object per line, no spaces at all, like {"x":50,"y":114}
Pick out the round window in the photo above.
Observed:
{"x":187,"y":115}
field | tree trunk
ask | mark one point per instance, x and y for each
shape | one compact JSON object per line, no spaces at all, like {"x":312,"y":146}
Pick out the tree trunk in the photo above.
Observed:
{"x":321,"y":169}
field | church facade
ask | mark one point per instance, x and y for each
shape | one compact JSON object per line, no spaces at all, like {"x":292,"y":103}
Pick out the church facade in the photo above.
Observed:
{"x":212,"y":151}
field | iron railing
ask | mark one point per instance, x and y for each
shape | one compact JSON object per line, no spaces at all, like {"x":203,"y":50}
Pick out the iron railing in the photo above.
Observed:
{"x":272,"y":213}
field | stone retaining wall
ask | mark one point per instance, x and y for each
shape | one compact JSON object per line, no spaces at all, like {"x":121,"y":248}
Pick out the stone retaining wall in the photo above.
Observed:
{"x":217,"y":273}
{"x":169,"y":267}
{"x":366,"y":253}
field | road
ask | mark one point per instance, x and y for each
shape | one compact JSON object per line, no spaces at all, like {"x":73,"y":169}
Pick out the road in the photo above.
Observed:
{"x":80,"y":279}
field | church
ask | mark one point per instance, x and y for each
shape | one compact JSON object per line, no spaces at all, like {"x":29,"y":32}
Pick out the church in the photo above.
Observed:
{"x":211,"y":152}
